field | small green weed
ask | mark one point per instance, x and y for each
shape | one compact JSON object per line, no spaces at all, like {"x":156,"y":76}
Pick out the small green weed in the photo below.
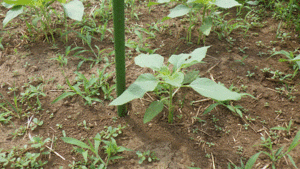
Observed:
{"x":109,"y":145}
{"x":150,"y":156}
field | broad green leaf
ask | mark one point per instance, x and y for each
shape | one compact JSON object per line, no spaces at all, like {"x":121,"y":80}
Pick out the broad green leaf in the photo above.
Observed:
{"x":152,"y":3}
{"x":175,"y":80}
{"x":205,"y":28}
{"x":62,"y":1}
{"x":199,"y":1}
{"x":252,"y":2}
{"x":97,"y":142}
{"x":20,"y":2}
{"x":164,"y":71}
{"x":190,"y":76}
{"x":295,"y":142}
{"x":153,"y":61}
{"x":76,"y":142}
{"x":163,"y":1}
{"x":11,"y":14}
{"x":239,"y":112}
{"x":231,"y":108}
{"x":226,"y":3}
{"x":64,"y":95}
{"x":6,"y":5}
{"x":153,"y":110}
{"x":85,"y":155}
{"x":74,"y":10}
{"x":282,"y":52}
{"x":209,"y":88}
{"x":144,"y":83}
{"x":178,"y":11}
{"x":251,"y":161}
{"x":186,"y":60}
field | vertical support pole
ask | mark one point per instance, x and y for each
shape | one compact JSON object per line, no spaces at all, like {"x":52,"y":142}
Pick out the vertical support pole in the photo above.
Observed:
{"x":119,"y":39}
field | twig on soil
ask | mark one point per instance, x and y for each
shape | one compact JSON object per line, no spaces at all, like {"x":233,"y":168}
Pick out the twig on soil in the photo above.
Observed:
{"x":271,"y":89}
{"x":266,"y":166}
{"x":202,"y":100}
{"x":56,"y":153}
{"x":30,"y":137}
{"x":210,"y":69}
{"x":212,"y":157}
{"x":212,"y":77}
{"x":149,"y":96}
{"x":230,"y":161}
{"x":51,"y":145}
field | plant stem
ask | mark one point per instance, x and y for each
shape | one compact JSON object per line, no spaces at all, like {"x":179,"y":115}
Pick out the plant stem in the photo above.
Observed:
{"x":119,"y":36}
{"x":170,"y":117}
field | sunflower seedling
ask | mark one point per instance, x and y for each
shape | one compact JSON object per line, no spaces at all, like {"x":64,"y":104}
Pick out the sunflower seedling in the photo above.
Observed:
{"x":172,"y":80}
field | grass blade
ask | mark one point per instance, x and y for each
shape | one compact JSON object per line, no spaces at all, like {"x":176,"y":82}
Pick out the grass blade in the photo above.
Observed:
{"x":64,"y":95}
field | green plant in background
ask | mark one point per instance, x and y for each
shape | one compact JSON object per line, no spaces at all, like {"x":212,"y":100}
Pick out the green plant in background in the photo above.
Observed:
{"x":22,"y":158}
{"x":110,"y":147}
{"x":73,"y":9}
{"x":150,"y":156}
{"x":235,"y":109}
{"x":5,"y":116}
{"x":192,"y":7}
{"x":248,"y":165}
{"x":287,"y":128}
{"x":294,"y":60}
{"x":85,"y":94}
{"x":172,"y":81}
{"x":33,"y":91}
{"x":15,"y":107}
{"x":276,"y":155}
{"x":91,"y":87}
{"x":141,"y":46}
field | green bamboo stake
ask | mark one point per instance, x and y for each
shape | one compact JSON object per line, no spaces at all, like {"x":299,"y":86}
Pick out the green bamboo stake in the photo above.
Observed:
{"x":119,"y":37}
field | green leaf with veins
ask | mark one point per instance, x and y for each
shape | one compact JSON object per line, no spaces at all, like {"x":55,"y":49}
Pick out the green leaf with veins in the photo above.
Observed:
{"x":153,"y":110}
{"x":226,"y":3}
{"x":178,"y":11}
{"x":11,"y":14}
{"x":186,"y":60}
{"x":205,"y":28}
{"x":175,"y":79}
{"x":144,"y":83}
{"x":153,"y":61}
{"x":211,"y":89}
{"x":74,"y":10}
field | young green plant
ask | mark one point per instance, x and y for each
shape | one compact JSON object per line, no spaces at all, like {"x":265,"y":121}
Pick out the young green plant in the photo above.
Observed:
{"x":276,"y":155}
{"x":73,"y":9}
{"x":290,"y":57}
{"x":195,"y":6}
{"x":172,"y":80}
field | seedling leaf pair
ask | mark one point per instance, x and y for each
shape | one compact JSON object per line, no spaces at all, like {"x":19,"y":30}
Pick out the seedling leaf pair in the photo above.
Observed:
{"x":172,"y":79}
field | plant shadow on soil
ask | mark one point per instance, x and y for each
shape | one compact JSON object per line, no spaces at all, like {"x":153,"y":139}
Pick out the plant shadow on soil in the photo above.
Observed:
{"x":187,"y":142}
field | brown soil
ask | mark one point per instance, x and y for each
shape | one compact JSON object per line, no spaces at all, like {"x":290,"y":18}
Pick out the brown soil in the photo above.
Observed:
{"x":177,"y":145}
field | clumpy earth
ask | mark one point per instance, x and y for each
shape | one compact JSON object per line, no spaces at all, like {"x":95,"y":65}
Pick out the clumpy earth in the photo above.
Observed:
{"x":218,"y":138}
